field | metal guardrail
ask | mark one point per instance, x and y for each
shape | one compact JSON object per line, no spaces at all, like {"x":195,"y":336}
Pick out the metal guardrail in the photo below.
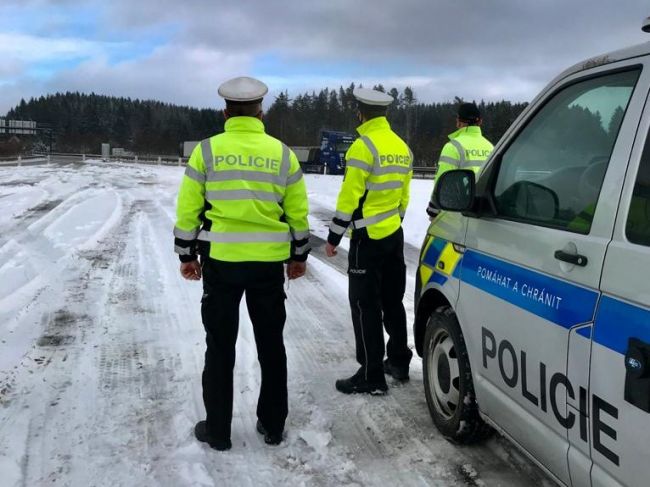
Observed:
{"x":314,"y":168}
{"x":424,"y":172}
{"x":140,"y":159}
{"x":418,"y":172}
{"x":19,"y":157}
{"x":128,"y":159}
{"x":19,"y":160}
{"x":145,"y":159}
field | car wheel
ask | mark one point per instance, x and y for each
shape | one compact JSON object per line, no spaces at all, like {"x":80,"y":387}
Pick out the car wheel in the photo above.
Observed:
{"x":448,"y":380}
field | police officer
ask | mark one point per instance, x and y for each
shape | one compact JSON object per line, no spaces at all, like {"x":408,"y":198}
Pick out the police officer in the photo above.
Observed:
{"x":372,"y":202}
{"x":243,"y":198}
{"x":466,"y":149}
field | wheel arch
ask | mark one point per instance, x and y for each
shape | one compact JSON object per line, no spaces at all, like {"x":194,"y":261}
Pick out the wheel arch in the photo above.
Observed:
{"x":429,"y":301}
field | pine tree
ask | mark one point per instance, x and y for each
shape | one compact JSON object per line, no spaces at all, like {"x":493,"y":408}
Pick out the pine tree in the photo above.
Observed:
{"x":81,"y":122}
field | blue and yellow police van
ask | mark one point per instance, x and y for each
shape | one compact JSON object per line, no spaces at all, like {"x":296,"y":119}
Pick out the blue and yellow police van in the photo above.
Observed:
{"x":533,"y":289}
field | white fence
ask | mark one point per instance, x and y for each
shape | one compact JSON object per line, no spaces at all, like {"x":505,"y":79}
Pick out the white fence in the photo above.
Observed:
{"x":418,"y":172}
{"x":20,"y":160}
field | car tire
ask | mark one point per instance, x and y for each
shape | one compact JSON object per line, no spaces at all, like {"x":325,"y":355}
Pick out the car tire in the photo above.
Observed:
{"x":448,"y":380}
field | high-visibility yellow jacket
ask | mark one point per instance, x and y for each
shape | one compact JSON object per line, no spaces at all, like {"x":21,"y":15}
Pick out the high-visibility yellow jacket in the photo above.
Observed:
{"x":243,"y":192}
{"x":375,"y":190}
{"x":466,"y":149}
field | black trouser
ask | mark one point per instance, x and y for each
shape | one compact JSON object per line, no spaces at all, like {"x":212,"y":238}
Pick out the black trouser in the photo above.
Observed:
{"x":224,"y":283}
{"x":377,"y":282}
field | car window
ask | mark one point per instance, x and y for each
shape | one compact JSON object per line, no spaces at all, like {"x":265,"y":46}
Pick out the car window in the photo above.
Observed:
{"x":637,"y":227}
{"x":552,"y":173}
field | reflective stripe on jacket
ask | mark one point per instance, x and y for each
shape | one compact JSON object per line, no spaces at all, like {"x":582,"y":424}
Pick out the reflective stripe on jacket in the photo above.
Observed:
{"x":375,"y":190}
{"x":243,"y":192}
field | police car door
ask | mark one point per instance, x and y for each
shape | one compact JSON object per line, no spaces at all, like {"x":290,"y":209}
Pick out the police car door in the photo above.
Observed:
{"x":621,"y":398}
{"x":530,"y":274}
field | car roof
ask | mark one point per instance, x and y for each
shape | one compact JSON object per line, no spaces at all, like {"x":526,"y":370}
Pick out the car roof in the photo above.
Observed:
{"x":607,"y":58}
{"x":631,"y":52}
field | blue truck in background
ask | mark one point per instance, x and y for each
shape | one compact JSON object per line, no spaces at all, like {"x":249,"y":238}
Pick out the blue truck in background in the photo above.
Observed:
{"x":329,"y":157}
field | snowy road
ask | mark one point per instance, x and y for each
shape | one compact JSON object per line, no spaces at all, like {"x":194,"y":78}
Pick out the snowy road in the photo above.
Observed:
{"x":101,"y":350}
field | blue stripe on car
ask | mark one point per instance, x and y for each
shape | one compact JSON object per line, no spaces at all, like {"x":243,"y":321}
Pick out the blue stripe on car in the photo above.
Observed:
{"x":617,"y":321}
{"x":555,"y":300}
{"x":438,"y":278}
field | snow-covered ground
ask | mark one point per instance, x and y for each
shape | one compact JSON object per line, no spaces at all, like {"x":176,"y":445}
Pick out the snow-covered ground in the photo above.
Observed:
{"x":101,"y":352}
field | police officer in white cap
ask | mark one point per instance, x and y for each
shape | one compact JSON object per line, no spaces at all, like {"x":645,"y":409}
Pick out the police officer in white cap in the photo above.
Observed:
{"x":242,"y":206}
{"x":372,"y":204}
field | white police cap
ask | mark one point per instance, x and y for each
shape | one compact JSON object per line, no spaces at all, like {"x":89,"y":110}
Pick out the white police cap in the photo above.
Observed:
{"x":243,"y":89}
{"x":372,"y":97}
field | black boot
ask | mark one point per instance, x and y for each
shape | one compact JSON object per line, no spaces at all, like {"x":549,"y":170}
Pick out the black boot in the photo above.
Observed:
{"x":400,"y":373}
{"x":269,"y":438}
{"x":201,"y":433}
{"x":357,"y":384}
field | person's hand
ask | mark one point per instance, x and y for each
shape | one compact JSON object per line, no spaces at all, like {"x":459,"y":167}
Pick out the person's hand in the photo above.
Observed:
{"x":296,"y":269}
{"x":191,"y":270}
{"x":330,"y":250}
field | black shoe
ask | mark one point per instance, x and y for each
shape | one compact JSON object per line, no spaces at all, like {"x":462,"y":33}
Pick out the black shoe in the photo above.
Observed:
{"x":400,"y":373}
{"x":357,"y":384}
{"x":201,"y":433}
{"x":269,"y":439}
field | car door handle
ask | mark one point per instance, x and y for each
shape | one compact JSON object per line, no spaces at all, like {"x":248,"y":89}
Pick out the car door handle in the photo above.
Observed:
{"x":576,"y":259}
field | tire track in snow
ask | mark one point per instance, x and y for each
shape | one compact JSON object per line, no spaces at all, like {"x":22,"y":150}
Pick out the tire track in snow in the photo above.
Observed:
{"x":80,"y":423}
{"x":33,"y":274}
{"x":21,"y":207}
{"x":35,"y":257}
{"x":120,"y":373}
{"x":51,"y":378}
{"x":143,"y":381}
{"x":99,"y":428}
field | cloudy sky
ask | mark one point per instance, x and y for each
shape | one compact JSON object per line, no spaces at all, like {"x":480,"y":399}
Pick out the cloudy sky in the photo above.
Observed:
{"x":180,"y":50}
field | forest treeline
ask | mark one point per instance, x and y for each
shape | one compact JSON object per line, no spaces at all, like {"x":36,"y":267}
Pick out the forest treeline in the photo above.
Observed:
{"x":81,"y":122}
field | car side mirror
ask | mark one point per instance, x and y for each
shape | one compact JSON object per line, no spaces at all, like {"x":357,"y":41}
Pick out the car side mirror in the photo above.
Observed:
{"x":455,"y":190}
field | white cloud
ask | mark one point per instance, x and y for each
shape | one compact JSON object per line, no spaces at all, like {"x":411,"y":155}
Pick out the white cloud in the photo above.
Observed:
{"x":502,"y":49}
{"x":10,"y":68}
{"x":174,"y":74}
{"x":30,"y":49}
{"x":22,"y":53}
